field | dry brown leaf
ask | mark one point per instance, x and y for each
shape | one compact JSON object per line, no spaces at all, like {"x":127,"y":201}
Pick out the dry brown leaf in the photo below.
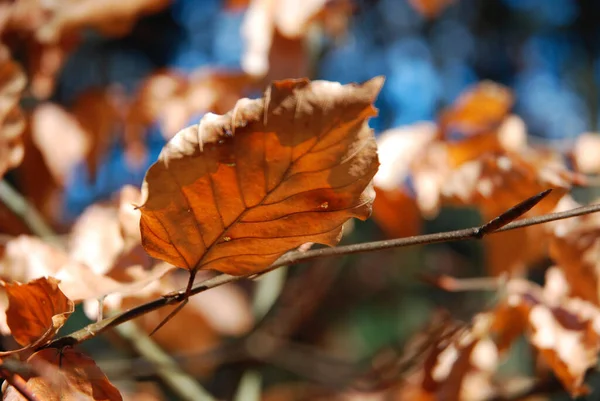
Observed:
{"x":36,"y":311}
{"x":458,"y":366}
{"x":111,"y":17}
{"x":564,"y":330}
{"x":237,"y":191}
{"x":45,"y":61}
{"x":395,"y":209}
{"x":275,"y":32}
{"x":12,"y":123}
{"x":496,"y":183}
{"x":106,"y":234}
{"x":173,"y":100}
{"x":97,"y":111}
{"x":479,"y":109}
{"x":585,"y":152}
{"x":27,"y":258}
{"x":236,"y":4}
{"x":66,"y":375}
{"x":216,"y":91}
{"x":49,"y":31}
{"x":51,"y":124}
{"x":397,"y":213}
{"x":37,"y":182}
{"x":575,"y":247}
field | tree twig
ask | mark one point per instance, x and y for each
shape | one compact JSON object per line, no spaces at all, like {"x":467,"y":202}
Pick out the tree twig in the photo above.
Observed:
{"x":19,"y":384}
{"x":296,"y":257}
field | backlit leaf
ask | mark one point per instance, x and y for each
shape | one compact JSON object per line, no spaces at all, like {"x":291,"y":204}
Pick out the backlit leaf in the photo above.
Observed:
{"x":237,"y":191}
{"x":564,"y":330}
{"x":36,"y":310}
{"x":12,"y":123}
{"x":66,"y":375}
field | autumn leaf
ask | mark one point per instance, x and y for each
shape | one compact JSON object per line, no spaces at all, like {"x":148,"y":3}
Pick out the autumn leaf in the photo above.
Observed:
{"x":459,"y":365}
{"x":50,"y":124}
{"x":237,"y":191}
{"x":171,"y":99}
{"x":103,"y":236}
{"x":28,"y":258}
{"x":395,"y":208}
{"x":564,"y":330}
{"x":583,"y":153}
{"x":574,"y":245}
{"x":12,"y":123}
{"x":479,"y":109}
{"x":430,"y":8}
{"x":36,"y":310}
{"x":111,"y":17}
{"x":66,"y":375}
{"x":97,"y":113}
{"x":45,"y":61}
{"x":274,"y":33}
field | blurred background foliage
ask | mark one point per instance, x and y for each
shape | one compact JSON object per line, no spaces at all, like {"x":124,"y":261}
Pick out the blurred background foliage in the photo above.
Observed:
{"x":546,"y":51}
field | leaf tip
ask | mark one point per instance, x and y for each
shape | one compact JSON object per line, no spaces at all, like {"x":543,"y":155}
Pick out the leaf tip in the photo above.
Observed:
{"x":375,"y":83}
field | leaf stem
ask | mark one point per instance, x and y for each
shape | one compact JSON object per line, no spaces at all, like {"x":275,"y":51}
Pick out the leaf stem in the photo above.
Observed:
{"x":296,"y":257}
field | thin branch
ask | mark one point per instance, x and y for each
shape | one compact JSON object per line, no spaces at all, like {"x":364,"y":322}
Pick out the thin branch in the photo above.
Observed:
{"x":19,"y":384}
{"x":453,"y":284}
{"x":296,"y":257}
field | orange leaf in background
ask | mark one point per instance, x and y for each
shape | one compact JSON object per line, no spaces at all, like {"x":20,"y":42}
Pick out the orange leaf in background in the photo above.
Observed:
{"x":564,"y":330}
{"x":479,"y":109}
{"x":585,"y":153}
{"x":149,"y":104}
{"x":458,"y":365}
{"x":66,"y":375}
{"x":236,"y":4}
{"x":36,"y":310}
{"x":111,"y":17}
{"x":575,"y":247}
{"x":496,"y":183}
{"x":51,"y":124}
{"x":430,"y":8}
{"x":12,"y":123}
{"x":396,"y":212}
{"x":237,"y":191}
{"x":45,"y":61}
{"x":97,"y":112}
{"x":216,"y":91}
{"x":275,"y":32}
{"x":173,"y":100}
{"x":102,"y":236}
{"x":27,"y":258}
{"x":394,"y":209}
{"x":49,"y":31}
